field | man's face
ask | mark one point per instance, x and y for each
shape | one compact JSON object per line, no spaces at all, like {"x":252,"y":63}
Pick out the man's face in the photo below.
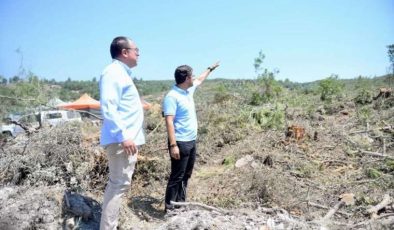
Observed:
{"x":190,"y":80}
{"x":130,"y":54}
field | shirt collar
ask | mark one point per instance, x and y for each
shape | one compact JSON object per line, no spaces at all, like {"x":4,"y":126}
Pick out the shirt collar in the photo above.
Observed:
{"x":128,"y":70}
{"x":176,"y":88}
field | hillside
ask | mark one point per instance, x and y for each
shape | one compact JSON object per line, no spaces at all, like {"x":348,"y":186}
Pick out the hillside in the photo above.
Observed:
{"x":270,"y":156}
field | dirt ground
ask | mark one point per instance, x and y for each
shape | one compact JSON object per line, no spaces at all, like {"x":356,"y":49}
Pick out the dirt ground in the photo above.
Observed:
{"x":246,"y":176}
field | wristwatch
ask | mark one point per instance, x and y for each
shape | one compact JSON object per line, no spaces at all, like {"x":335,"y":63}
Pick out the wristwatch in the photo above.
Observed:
{"x":210,"y":69}
{"x":173,"y":145}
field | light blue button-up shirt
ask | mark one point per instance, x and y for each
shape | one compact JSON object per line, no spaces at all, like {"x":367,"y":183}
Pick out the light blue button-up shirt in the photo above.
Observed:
{"x":180,"y":103}
{"x":120,"y":105}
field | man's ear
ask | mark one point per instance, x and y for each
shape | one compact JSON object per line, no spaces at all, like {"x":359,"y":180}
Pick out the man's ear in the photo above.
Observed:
{"x":124,"y":52}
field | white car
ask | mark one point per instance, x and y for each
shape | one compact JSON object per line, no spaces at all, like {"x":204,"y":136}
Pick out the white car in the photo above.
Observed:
{"x":35,"y":120}
{"x":56,"y":117}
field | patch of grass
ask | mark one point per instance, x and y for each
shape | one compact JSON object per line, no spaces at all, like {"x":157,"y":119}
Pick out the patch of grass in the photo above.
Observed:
{"x":209,"y":172}
{"x":306,"y":171}
{"x":373,"y":173}
{"x":229,"y":161}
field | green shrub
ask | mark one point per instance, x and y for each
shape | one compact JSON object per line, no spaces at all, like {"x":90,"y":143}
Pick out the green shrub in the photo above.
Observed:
{"x":330,"y":87}
{"x":222,"y":94}
{"x":257,"y":99}
{"x":363,"y":97}
{"x":364,"y":114}
{"x":270,"y":118}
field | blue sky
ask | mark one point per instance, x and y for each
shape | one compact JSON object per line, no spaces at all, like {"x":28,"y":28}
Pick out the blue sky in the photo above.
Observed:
{"x":305,"y":40}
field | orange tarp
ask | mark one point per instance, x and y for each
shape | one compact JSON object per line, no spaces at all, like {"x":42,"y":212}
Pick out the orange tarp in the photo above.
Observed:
{"x":84,"y":102}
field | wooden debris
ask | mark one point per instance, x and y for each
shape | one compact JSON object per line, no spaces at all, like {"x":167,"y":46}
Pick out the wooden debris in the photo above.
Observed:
{"x":385,"y":129}
{"x":384,"y":93}
{"x":204,"y":206}
{"x":325,"y":207}
{"x":333,"y":210}
{"x":345,"y":199}
{"x":373,"y":212}
{"x":27,"y":129}
{"x":376,"y":154}
{"x":348,"y":198}
{"x":295,"y":132}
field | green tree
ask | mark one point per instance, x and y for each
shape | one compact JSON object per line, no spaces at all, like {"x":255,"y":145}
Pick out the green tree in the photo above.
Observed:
{"x":258,"y":61}
{"x":15,"y":79}
{"x":330,"y":87}
{"x":267,"y":88}
{"x":3,"y":80}
{"x":390,"y":53}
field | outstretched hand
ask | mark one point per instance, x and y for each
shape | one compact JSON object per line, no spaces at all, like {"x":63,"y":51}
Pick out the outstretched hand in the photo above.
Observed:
{"x":213,"y":66}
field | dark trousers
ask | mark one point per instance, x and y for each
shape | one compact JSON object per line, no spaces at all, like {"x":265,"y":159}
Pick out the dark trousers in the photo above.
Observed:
{"x":181,"y":171}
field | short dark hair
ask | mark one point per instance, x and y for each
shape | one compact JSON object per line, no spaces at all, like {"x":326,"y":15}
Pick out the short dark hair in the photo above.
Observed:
{"x":182,"y":72}
{"x":118,"y":44}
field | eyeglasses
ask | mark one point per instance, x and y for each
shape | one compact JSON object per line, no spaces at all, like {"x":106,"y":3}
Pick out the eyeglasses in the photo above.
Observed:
{"x":136,"y":49}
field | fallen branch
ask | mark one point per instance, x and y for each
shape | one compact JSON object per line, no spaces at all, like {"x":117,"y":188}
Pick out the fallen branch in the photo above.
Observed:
{"x":18,"y":98}
{"x":376,"y":154}
{"x":161,"y":122}
{"x":375,"y":209}
{"x":325,"y":207}
{"x":386,"y":128}
{"x":333,"y":210}
{"x":368,"y":222}
{"x":274,"y":210}
{"x":207,"y":207}
{"x":24,"y":127}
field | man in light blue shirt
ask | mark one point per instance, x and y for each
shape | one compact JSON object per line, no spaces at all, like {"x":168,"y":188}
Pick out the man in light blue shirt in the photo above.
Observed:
{"x":122,"y":130}
{"x":181,"y":122}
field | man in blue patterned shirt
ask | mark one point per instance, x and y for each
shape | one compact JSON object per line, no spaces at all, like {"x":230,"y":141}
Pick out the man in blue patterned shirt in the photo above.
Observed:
{"x":122,"y":130}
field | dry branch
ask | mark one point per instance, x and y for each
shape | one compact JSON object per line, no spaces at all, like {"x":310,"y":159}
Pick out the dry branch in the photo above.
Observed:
{"x":325,"y":207}
{"x":375,"y":209}
{"x":386,"y":128}
{"x":18,"y":98}
{"x":24,"y":127}
{"x":333,"y":210}
{"x":376,"y":154}
{"x":389,"y":222}
{"x":207,"y":207}
{"x":160,"y":123}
